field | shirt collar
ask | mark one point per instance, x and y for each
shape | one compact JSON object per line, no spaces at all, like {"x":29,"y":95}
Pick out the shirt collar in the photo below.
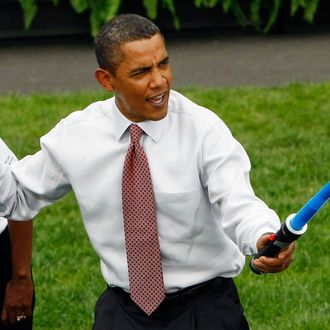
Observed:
{"x":152,"y":128}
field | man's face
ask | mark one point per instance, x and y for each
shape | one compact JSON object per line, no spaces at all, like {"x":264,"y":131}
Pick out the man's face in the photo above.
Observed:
{"x":142,"y":82}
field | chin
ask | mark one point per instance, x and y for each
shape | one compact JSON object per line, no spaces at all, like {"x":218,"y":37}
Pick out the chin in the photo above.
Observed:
{"x":158,"y":116}
{"x":158,"y":113}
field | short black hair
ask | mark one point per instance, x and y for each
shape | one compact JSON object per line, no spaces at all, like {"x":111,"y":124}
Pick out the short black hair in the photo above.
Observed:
{"x":118,"y":30}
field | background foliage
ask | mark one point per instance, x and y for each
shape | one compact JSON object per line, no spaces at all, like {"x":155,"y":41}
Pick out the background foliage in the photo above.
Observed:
{"x":262,"y":14}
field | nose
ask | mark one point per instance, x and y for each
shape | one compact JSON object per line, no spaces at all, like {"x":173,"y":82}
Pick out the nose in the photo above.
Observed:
{"x":156,"y":78}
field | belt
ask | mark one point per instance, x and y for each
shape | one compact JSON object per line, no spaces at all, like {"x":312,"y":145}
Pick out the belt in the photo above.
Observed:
{"x":196,"y":289}
{"x":189,"y":291}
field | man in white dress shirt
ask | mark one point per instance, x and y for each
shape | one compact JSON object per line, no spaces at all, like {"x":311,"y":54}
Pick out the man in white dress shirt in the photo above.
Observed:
{"x":208,"y":216}
{"x":16,"y":287}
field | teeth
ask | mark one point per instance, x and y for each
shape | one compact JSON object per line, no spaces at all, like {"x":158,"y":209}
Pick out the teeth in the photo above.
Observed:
{"x":157,"y":99}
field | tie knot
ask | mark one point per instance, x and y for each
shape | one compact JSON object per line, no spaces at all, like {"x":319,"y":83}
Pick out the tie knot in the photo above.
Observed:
{"x":136,"y":133}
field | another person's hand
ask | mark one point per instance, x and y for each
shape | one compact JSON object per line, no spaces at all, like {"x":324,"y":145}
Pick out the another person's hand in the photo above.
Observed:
{"x":17,"y":305}
{"x":277,"y":264}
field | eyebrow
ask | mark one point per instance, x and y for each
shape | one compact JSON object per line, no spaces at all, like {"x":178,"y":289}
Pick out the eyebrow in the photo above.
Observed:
{"x":146,"y":68}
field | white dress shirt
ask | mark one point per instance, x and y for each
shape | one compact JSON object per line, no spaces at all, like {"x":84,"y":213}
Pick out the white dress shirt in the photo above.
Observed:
{"x":208,"y":215}
{"x":6,"y":157}
{"x":3,"y":224}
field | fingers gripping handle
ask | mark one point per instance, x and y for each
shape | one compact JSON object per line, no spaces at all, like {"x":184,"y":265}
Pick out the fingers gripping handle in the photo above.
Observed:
{"x":283,"y":237}
{"x":294,"y":226}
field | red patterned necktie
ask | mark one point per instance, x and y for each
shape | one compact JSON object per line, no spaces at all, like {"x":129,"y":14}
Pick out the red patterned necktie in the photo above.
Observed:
{"x":141,"y":234}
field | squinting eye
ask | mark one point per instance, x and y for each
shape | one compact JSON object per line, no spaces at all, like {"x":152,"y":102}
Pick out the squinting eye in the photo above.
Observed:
{"x":139,"y":73}
{"x":165,"y":63}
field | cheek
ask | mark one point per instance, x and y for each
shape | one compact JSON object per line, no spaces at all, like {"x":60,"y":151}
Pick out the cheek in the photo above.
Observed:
{"x":169,"y":75}
{"x":134,"y":96}
{"x":133,"y":92}
{"x":137,"y":88}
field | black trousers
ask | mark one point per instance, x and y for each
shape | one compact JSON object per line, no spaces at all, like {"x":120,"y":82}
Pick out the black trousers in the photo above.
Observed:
{"x":213,"y":305}
{"x":5,"y":275}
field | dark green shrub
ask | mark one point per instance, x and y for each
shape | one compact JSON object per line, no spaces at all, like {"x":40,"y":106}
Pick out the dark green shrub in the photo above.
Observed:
{"x":262,"y":14}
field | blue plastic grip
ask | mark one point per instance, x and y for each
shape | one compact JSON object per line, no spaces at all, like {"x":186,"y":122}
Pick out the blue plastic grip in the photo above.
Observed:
{"x":310,"y":208}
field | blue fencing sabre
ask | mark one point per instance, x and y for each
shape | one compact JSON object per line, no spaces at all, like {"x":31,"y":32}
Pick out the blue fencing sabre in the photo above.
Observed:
{"x":293,"y":227}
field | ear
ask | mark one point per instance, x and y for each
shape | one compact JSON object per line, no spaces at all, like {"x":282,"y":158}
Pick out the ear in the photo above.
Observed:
{"x":104,"y":78}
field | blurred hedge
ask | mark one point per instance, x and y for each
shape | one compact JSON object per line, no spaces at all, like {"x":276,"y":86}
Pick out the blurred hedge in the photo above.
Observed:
{"x":262,"y":14}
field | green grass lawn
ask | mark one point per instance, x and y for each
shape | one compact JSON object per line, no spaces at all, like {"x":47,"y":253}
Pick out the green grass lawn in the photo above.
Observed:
{"x":286,"y":132}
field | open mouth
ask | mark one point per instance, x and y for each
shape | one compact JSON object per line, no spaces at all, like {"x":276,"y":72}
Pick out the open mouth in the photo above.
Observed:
{"x":157,"y":99}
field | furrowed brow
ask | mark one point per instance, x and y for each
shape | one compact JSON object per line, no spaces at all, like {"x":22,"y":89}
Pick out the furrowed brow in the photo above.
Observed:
{"x":147,"y":68}
{"x":139,"y":70}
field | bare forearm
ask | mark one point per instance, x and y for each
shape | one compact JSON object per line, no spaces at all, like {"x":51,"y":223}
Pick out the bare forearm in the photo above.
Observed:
{"x":21,"y":247}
